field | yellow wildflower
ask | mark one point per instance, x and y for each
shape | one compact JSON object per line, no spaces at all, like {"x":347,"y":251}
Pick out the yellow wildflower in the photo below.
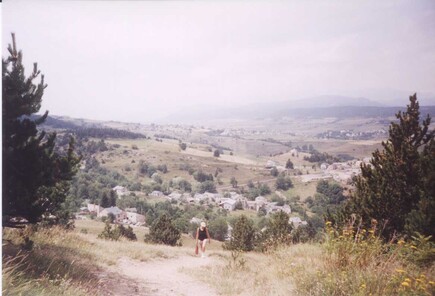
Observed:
{"x":405,"y":284}
{"x":414,"y":247}
{"x":328,"y":223}
{"x":400,"y":242}
{"x":431,"y":283}
{"x":408,"y":280}
{"x":400,"y":271}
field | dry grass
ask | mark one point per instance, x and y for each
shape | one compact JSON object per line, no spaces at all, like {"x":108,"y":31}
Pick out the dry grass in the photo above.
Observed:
{"x":359,"y":263}
{"x":259,"y":274}
{"x":301,"y":189}
{"x":55,"y":266}
{"x":68,"y":263}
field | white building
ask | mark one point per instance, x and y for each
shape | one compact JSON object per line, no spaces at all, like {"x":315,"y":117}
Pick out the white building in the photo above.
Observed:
{"x":273,"y":208}
{"x":135,"y":218}
{"x":296,"y":221}
{"x":228,"y":204}
{"x":120,"y":190}
{"x":92,"y":208}
{"x":156,"y":193}
{"x":174,"y":196}
{"x":271,"y":164}
{"x":117,"y":212}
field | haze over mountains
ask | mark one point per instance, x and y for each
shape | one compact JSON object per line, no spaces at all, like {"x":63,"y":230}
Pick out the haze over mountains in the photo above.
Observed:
{"x":320,"y":106}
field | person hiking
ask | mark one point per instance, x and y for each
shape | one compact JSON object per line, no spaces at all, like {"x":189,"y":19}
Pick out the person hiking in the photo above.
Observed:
{"x":201,"y":238}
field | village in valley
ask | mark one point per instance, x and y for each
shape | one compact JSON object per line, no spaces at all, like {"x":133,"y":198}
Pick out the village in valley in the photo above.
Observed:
{"x":340,"y":172}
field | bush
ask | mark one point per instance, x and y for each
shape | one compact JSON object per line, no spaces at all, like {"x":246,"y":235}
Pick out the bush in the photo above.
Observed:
{"x":162,"y":231}
{"x":200,"y":176}
{"x":163,"y":168}
{"x":109,"y":233}
{"x":283,"y":183}
{"x":208,"y":186}
{"x":127,"y":232}
{"x":218,"y":229}
{"x":117,"y":232}
{"x":274,"y":172}
{"x":278,"y":232}
{"x":243,"y":235}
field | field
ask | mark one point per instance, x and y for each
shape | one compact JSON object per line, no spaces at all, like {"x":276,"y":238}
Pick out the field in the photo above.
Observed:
{"x":242,"y":166}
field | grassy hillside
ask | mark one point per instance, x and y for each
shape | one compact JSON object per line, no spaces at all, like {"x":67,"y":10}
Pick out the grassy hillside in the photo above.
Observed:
{"x":78,"y":263}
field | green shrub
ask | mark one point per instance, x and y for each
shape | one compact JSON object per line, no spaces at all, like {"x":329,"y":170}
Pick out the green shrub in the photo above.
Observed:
{"x":117,"y":232}
{"x":127,"y":232}
{"x":218,"y":228}
{"x":420,"y":250}
{"x":243,"y":235}
{"x":278,"y":232}
{"x":109,"y":233}
{"x":163,"y":231}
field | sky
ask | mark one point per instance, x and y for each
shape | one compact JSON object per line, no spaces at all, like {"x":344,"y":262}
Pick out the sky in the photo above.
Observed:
{"x":140,"y":61}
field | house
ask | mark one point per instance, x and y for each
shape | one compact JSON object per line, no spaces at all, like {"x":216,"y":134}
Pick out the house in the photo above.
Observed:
{"x":186,"y":196}
{"x":296,"y":221}
{"x":260,"y":199}
{"x":252,"y":205}
{"x":117,"y":212}
{"x":120,"y":190}
{"x":96,"y":209}
{"x":228,"y":204}
{"x":198,"y":197}
{"x":195,"y":220}
{"x":270,"y":164}
{"x":175,"y":196}
{"x":156,"y":193}
{"x":135,"y":218}
{"x":324,"y":166}
{"x":274,"y":208}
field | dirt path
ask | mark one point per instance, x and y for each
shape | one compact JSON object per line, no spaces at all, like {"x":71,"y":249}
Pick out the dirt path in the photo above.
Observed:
{"x":166,"y":277}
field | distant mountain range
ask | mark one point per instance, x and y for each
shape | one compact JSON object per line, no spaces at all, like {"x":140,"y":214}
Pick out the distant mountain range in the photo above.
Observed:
{"x":314,"y":107}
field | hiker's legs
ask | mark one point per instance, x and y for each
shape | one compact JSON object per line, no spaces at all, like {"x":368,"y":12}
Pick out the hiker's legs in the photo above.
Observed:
{"x":202,"y":245}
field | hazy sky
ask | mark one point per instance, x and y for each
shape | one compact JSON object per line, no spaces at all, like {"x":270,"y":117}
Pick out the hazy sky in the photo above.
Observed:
{"x":142,"y":60}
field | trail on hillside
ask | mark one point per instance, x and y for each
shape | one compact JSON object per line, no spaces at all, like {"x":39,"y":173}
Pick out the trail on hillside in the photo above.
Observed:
{"x":165,"y":277}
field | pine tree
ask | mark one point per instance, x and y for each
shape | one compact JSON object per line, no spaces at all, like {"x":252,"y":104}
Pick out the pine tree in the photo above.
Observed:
{"x":243,"y":235}
{"x":289,"y":164}
{"x":104,"y":200}
{"x":233,"y":182}
{"x":112,"y":198}
{"x":397,"y":187}
{"x":163,"y":231}
{"x":35,"y":176}
{"x":279,"y":229}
